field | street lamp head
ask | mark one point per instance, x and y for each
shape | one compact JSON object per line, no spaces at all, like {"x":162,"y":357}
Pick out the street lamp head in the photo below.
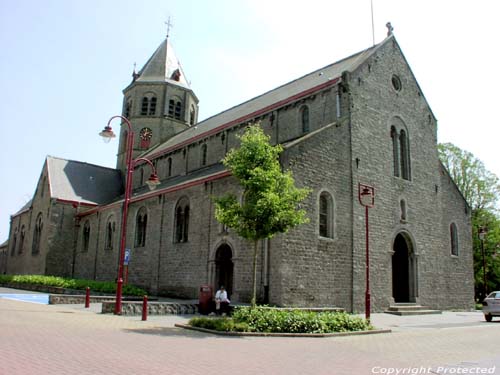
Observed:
{"x":153,"y":181}
{"x":107,"y":134}
{"x":482,"y":233}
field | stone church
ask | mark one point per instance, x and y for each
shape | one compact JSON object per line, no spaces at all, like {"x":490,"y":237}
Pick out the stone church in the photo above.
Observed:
{"x":360,"y":121}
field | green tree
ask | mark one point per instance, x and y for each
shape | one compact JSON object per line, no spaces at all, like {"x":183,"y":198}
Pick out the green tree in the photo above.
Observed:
{"x":270,"y":199}
{"x":479,"y":186}
{"x":480,"y":189}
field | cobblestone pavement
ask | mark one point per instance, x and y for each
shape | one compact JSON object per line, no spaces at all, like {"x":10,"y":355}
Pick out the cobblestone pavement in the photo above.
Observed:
{"x":63,"y":339}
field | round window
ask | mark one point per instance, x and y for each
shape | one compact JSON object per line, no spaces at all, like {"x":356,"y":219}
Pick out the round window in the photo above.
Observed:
{"x":396,"y":83}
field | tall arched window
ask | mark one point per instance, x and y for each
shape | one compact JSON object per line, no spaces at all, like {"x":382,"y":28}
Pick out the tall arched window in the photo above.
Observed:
{"x":326,"y":215}
{"x":144,"y":106}
{"x":182,"y":221}
{"x":400,"y":149}
{"x":203,"y":159}
{"x":86,"y":236}
{"x":192,"y":114}
{"x":175,"y":108}
{"x":169,"y":167}
{"x":14,"y":242}
{"x":152,"y":106}
{"x":304,"y":118}
{"x":178,"y":109}
{"x":395,"y":150}
{"x":21,"y":239}
{"x":140,"y":227}
{"x":454,"y":239}
{"x":405,"y":155}
{"x":110,"y":231}
{"x":128,"y":109}
{"x":37,"y":234}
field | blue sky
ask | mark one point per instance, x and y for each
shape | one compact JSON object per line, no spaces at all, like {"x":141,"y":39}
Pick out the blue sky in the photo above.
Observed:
{"x":65,"y":63}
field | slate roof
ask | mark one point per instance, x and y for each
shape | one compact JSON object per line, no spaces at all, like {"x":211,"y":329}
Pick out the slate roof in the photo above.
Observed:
{"x":161,"y":67}
{"x":267,"y":101}
{"x":82,"y":182}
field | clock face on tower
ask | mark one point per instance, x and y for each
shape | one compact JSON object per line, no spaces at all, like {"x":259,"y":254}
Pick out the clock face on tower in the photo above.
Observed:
{"x":146,"y":134}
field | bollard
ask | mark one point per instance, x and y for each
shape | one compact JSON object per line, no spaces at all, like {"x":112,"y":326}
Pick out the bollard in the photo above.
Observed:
{"x":87,"y":298}
{"x":145,"y":308}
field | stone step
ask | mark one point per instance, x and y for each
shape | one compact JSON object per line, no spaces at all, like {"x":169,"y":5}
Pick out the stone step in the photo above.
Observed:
{"x":410,"y":309}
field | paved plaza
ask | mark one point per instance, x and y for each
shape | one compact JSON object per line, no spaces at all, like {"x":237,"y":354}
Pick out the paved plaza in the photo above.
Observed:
{"x":66,"y":339}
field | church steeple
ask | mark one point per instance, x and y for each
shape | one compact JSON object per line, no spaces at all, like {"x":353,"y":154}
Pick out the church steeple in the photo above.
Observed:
{"x":159,"y":102}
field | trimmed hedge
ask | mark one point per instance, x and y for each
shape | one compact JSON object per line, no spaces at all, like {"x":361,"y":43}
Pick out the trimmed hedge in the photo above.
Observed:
{"x":246,"y":319}
{"x":77,"y":284}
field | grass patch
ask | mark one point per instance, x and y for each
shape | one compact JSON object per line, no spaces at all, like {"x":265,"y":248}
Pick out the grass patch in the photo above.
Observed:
{"x":77,"y":284}
{"x":246,"y":319}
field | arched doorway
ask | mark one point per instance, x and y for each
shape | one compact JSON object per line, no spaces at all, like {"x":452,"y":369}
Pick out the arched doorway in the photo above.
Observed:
{"x":404,"y":270}
{"x":224,"y":268}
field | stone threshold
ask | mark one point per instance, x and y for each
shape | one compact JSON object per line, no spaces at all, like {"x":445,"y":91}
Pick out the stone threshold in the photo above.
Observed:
{"x":271,"y":334}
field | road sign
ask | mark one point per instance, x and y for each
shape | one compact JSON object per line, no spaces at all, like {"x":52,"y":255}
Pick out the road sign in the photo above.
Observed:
{"x":126,"y":258}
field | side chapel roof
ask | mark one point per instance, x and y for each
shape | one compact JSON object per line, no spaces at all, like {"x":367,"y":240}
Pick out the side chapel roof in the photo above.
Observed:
{"x":80,"y":182}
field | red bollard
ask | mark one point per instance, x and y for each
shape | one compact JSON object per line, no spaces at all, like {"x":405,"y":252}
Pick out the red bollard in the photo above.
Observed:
{"x":145,"y":308}
{"x":87,"y":298}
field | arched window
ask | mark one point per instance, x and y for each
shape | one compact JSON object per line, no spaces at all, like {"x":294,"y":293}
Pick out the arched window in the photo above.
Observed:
{"x":395,"y":150}
{"x":148,"y":105}
{"x":203,"y":160}
{"x":175,"y":108}
{"x":21,"y":239}
{"x":326,"y":215}
{"x":152,"y":106}
{"x":182,"y":221}
{"x":400,"y":149}
{"x":454,"y":239}
{"x":128,"y":109}
{"x":304,"y":118}
{"x":37,"y":234}
{"x":110,"y":231}
{"x":144,"y":106}
{"x":405,"y":155}
{"x":140,"y":227}
{"x":86,"y":236}
{"x":178,"y":109}
{"x":14,"y":243}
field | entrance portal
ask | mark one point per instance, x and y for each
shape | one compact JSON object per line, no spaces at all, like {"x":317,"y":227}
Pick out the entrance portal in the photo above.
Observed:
{"x":404,"y":282}
{"x":224,"y":268}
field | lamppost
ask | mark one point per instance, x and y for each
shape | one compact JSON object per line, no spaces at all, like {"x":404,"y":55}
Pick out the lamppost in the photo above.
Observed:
{"x":152,"y":182}
{"x":366,"y":196}
{"x":482,"y":234}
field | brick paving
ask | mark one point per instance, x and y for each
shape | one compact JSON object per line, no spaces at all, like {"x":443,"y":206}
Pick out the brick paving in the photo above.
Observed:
{"x":54,"y":339}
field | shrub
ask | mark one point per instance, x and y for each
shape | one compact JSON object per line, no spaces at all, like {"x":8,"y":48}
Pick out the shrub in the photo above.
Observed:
{"x":77,"y":284}
{"x":297,"y":321}
{"x":269,"y":320}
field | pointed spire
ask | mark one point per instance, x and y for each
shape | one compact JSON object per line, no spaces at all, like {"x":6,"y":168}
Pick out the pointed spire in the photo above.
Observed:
{"x":163,"y":66}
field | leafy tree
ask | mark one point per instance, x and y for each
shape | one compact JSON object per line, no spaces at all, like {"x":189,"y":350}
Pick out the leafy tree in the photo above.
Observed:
{"x":488,"y":220}
{"x":479,"y":186}
{"x":480,"y":189}
{"x":270,"y":199}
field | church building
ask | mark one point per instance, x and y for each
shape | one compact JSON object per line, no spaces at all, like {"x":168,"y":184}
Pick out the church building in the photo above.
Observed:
{"x":360,"y":125}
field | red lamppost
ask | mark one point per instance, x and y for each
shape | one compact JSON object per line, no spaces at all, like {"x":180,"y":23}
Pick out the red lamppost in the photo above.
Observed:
{"x":152,"y":182}
{"x":366,"y":196}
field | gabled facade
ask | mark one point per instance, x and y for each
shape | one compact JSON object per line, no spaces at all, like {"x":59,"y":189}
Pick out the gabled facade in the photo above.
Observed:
{"x":361,"y":120}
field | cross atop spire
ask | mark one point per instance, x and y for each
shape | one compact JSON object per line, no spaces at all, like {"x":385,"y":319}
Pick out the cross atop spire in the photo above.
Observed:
{"x":169,"y":25}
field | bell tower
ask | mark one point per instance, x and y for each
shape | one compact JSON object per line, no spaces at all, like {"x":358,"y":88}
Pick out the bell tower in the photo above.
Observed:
{"x":159,"y":103}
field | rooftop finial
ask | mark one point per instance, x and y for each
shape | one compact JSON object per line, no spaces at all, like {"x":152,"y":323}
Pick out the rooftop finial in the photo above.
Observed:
{"x":135,"y":75}
{"x":169,"y":25}
{"x":390,"y":29}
